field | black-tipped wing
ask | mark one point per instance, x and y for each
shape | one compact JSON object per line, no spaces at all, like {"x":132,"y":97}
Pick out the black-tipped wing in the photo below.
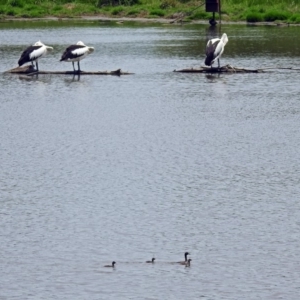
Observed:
{"x":30,"y":54}
{"x":73,"y":51}
{"x":210,"y":51}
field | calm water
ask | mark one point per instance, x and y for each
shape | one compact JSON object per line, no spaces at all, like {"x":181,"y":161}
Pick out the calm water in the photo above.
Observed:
{"x":102,"y":168}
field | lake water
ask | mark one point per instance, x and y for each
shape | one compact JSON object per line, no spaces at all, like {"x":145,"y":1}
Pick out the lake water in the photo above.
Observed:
{"x":103,"y":168}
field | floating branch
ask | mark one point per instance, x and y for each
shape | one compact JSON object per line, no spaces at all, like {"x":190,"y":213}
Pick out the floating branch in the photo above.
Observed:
{"x":281,"y":68}
{"x":30,"y":70}
{"x":230,"y":69}
{"x":224,"y":69}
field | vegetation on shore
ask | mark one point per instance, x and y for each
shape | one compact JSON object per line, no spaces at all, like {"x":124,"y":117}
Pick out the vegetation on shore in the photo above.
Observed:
{"x":232,"y":10}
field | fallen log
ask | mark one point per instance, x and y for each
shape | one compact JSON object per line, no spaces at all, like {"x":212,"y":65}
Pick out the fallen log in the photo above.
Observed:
{"x":30,"y":70}
{"x":224,"y":69}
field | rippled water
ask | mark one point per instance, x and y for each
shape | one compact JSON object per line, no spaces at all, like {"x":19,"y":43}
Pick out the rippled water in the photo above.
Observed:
{"x":102,"y":168}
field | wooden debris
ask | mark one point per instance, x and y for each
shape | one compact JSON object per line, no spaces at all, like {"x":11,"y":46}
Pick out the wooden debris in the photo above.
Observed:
{"x":30,"y":70}
{"x":224,"y":69}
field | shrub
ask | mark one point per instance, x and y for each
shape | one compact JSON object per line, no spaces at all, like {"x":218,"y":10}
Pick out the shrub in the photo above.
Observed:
{"x":157,"y":12}
{"x":35,"y":14}
{"x":133,"y":12}
{"x":274,"y":15}
{"x":15,"y":3}
{"x":10,"y":12}
{"x":57,"y":8}
{"x":117,"y":10}
{"x":167,"y":4}
{"x":295,"y":18}
{"x":200,"y":15}
{"x":254,"y":17}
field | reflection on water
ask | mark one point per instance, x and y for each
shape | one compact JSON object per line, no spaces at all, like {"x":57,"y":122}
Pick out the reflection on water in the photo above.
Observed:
{"x":103,"y":168}
{"x":213,"y":32}
{"x":74,"y":77}
{"x":213,"y":77}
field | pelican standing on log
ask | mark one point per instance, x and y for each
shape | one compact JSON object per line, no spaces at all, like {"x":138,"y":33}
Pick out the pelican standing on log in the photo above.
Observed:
{"x":33,"y":53}
{"x":214,"y":50}
{"x":76,"y":53}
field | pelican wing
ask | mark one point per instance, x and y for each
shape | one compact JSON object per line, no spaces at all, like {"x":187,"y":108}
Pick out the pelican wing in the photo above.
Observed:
{"x":30,"y":54}
{"x":211,"y":47}
{"x":74,"y":51}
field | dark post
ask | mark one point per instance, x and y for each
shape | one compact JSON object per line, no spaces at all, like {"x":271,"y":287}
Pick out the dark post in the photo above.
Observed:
{"x":213,"y":6}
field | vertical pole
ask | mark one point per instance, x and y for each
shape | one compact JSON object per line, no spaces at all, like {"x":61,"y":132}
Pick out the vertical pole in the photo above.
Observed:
{"x":220,"y":11}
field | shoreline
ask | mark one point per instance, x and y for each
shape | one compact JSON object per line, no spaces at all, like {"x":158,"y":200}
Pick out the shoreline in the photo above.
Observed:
{"x":144,"y":20}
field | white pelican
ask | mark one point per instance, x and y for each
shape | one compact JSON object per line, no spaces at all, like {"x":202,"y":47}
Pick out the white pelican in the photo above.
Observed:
{"x":214,"y":49}
{"x":76,"y":53}
{"x":33,"y":53}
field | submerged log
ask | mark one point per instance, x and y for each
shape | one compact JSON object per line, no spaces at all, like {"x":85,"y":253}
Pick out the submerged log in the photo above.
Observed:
{"x":224,"y":69}
{"x":30,"y":70}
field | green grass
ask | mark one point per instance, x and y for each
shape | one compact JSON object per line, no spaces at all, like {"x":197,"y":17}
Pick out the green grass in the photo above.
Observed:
{"x":267,"y":10}
{"x":232,"y":10}
{"x":16,"y":3}
{"x":200,"y":15}
{"x":117,"y":10}
{"x":157,"y":12}
{"x":254,"y":17}
{"x":295,"y":18}
{"x":274,"y":15}
{"x":133,"y":12}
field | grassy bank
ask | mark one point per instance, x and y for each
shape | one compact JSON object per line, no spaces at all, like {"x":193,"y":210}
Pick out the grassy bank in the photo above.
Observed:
{"x":232,"y":10}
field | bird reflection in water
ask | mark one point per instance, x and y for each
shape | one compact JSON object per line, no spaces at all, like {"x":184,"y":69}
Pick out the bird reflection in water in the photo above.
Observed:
{"x":75,"y":78}
{"x":36,"y":77}
{"x":213,"y":77}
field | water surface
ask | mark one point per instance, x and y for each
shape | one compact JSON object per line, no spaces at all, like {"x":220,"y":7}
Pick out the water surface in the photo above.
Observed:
{"x":102,"y":168}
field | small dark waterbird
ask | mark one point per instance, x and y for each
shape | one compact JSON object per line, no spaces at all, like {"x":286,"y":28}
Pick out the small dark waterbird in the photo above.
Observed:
{"x":185,"y":259}
{"x":188,"y":262}
{"x":76,"y":53}
{"x":214,"y":50}
{"x":33,"y":53}
{"x":110,"y":266}
{"x":150,"y":261}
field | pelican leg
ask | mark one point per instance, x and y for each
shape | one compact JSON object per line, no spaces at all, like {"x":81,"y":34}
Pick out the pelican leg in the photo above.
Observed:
{"x":219,"y":63}
{"x":78,"y":67}
{"x":37,"y":65}
{"x":73,"y":66}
